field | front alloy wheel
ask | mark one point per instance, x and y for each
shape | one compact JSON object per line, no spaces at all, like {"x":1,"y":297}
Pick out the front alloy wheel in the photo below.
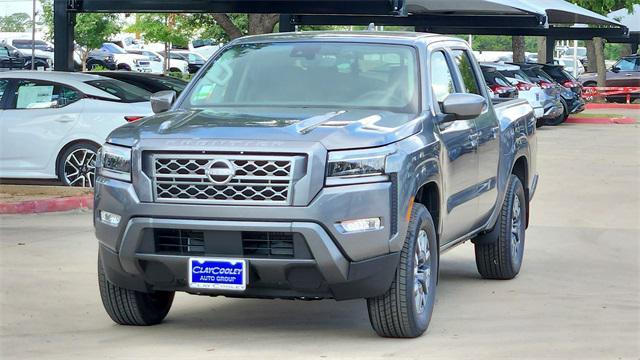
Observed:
{"x":78,"y":165}
{"x":421,"y":272}
{"x":404,"y":311}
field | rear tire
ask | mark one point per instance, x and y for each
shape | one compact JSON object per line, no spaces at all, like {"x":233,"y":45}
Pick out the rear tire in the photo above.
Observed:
{"x":129,"y":307}
{"x":502,"y":258}
{"x":560,"y":118}
{"x":404,"y":311}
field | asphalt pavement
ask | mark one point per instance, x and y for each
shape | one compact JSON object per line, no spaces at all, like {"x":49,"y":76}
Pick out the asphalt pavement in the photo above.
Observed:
{"x":577,"y":296}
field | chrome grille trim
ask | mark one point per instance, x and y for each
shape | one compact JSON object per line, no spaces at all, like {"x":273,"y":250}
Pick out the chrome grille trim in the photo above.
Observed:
{"x":257,"y":179}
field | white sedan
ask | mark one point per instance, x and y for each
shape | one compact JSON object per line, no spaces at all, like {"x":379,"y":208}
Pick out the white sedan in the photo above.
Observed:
{"x":52,"y":123}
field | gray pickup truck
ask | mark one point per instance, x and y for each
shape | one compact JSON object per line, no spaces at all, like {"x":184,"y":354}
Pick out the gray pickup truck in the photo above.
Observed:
{"x":315,"y":165}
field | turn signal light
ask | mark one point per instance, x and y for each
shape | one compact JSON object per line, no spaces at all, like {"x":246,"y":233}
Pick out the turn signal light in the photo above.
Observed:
{"x":133,"y":118}
{"x":359,"y":225}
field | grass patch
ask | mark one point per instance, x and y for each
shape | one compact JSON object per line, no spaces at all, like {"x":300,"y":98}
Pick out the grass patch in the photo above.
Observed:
{"x":592,"y":116}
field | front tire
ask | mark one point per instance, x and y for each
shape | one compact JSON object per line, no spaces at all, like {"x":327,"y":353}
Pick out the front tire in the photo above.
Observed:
{"x":129,"y":307}
{"x":404,"y":311}
{"x":77,"y":165}
{"x":502,"y":258}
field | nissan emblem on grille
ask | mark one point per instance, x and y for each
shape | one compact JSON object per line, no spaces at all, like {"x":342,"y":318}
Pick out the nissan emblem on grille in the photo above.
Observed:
{"x":226,"y":179}
{"x":221,"y":172}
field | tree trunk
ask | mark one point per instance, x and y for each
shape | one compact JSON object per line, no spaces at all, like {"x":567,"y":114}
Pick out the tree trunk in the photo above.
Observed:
{"x":600,"y":65}
{"x":591,"y":56}
{"x":262,"y":23}
{"x":518,"y":48}
{"x":542,"y":49}
{"x":167,"y":50}
{"x":227,"y":25}
{"x":85,"y":56}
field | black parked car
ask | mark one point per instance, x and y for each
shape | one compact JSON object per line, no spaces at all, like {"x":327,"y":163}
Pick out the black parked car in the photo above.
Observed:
{"x":150,"y":82}
{"x":194,"y":60}
{"x":570,"y":90}
{"x":9,"y":61}
{"x":101,"y":58}
{"x":498,"y":83}
{"x":40,"y":61}
{"x":559,"y":75}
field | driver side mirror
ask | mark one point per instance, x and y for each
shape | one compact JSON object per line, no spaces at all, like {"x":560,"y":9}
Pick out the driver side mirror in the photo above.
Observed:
{"x":162,"y":101}
{"x":464,"y":106}
{"x":615,"y":69}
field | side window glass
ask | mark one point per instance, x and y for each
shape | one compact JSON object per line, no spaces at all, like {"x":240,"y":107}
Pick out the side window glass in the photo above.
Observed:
{"x":34,"y":95}
{"x":465,"y":67}
{"x":43,"y":95}
{"x":627,"y":64}
{"x":441,"y":79}
{"x":67,"y":96}
{"x":3,"y":87}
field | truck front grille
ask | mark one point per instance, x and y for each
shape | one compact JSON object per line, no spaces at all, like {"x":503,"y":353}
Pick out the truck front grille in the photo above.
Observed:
{"x":223,"y":179}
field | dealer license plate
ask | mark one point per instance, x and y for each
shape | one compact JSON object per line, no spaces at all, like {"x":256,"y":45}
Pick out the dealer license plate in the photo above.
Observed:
{"x":224,"y":274}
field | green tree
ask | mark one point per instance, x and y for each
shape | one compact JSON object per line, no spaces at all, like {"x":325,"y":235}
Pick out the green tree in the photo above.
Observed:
{"x":91,"y":29}
{"x":170,"y":29}
{"x":18,"y":22}
{"x":225,"y":27}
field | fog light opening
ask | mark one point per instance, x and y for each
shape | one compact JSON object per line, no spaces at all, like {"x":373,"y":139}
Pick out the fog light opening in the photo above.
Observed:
{"x":110,"y":218}
{"x":359,"y":225}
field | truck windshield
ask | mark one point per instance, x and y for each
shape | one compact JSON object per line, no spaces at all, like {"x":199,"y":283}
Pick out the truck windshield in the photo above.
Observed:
{"x":310,"y":74}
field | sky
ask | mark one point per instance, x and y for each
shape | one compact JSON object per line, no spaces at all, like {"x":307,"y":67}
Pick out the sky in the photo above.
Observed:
{"x":8,"y":7}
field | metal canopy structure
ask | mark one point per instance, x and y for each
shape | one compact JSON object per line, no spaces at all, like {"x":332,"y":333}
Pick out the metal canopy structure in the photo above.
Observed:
{"x":551,"y":18}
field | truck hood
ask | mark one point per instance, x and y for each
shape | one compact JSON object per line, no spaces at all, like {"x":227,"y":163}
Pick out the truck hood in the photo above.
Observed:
{"x":342,"y":129}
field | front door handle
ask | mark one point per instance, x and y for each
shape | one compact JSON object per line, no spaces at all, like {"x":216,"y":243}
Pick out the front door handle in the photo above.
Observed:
{"x":64,"y":119}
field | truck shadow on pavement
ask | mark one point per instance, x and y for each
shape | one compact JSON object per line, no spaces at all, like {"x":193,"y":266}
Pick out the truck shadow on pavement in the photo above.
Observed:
{"x":195,"y":314}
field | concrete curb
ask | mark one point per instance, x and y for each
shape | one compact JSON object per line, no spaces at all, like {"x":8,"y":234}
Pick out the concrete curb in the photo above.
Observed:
{"x":47,"y":205}
{"x":613,"y":106}
{"x":603,"y":120}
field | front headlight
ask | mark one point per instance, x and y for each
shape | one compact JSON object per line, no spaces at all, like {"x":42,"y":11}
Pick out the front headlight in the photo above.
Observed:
{"x":357,"y":166}
{"x":115,"y":162}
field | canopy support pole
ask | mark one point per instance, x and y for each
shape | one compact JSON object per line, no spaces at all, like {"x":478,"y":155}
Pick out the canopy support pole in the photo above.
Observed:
{"x":286,"y":23}
{"x":63,"y":36}
{"x":551,"y":50}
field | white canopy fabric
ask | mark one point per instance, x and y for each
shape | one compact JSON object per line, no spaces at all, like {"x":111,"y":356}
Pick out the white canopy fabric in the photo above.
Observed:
{"x":556,"y":11}
{"x":632,"y":21}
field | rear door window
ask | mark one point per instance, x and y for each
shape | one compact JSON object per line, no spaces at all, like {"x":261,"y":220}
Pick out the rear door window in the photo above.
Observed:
{"x":125,"y":92}
{"x":34,"y":94}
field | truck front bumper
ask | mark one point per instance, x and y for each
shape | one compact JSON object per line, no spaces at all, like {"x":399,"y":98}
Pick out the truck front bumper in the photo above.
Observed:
{"x":339,"y":265}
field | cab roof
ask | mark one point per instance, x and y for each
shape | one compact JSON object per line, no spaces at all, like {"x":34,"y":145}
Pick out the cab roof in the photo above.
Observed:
{"x":354,"y":36}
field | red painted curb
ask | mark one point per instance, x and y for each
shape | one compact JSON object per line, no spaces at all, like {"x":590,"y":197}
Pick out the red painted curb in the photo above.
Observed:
{"x":47,"y":205}
{"x":613,"y":106}
{"x":579,"y":120}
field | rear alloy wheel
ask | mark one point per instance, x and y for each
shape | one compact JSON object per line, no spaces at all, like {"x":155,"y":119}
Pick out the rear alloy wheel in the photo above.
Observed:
{"x":78,"y":165}
{"x":502,"y":259}
{"x":560,"y":118}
